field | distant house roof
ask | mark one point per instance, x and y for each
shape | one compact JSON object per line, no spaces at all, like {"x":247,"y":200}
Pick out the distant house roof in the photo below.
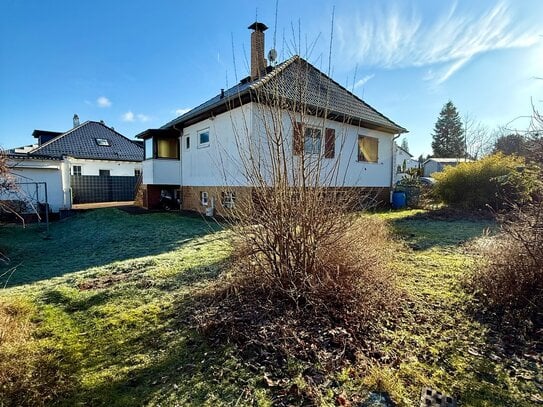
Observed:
{"x":404,"y":150}
{"x":321,"y":94}
{"x":91,"y":140}
{"x":448,"y":160}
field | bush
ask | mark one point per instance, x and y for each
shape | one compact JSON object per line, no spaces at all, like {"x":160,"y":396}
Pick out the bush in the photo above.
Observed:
{"x":511,"y":281}
{"x":33,"y":372}
{"x":495,"y":181}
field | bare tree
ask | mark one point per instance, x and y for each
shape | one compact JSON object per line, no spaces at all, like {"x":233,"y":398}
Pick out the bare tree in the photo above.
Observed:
{"x":479,"y":140}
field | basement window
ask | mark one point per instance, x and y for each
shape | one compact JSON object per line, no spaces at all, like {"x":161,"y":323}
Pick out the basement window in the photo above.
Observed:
{"x":204,"y":198}
{"x":228,"y":199}
{"x":368,"y":149}
{"x":103,"y":142}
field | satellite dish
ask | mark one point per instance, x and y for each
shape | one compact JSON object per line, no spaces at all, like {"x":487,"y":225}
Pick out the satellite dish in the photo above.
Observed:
{"x":272,"y":55}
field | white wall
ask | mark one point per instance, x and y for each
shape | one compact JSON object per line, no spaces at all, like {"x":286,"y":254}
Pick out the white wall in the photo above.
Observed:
{"x":93,"y":167}
{"x":220,"y":163}
{"x":162,"y":172}
{"x":40,"y":171}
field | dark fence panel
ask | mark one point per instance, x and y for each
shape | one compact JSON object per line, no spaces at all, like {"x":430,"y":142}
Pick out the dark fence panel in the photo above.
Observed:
{"x":94,"y":188}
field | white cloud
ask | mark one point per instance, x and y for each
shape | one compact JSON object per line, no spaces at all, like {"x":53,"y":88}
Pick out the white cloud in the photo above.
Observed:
{"x":128,"y":117}
{"x":396,"y":37}
{"x":182,"y":111}
{"x":363,"y":81}
{"x":103,"y":101}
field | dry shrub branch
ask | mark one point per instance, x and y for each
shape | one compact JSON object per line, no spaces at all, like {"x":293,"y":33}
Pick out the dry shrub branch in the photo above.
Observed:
{"x":309,"y":276}
{"x":511,"y":280}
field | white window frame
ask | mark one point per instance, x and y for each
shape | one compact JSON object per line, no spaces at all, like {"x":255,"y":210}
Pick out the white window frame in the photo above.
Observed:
{"x":203,"y":145}
{"x":80,"y":170}
{"x":204,"y":198}
{"x":102,"y":142}
{"x":187,"y":142}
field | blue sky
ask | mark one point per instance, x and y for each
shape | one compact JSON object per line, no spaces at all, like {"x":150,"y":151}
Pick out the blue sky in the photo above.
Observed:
{"x":138,"y":64}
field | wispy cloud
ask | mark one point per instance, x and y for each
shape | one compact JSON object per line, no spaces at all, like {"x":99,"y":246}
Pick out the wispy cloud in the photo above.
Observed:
{"x":182,"y":111}
{"x":103,"y":101}
{"x":131,"y":117}
{"x":363,"y":81}
{"x":143,"y":117}
{"x":395,"y":37}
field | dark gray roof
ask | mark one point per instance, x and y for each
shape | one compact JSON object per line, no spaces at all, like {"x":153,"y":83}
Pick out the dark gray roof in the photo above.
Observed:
{"x":80,"y":142}
{"x":295,"y":77}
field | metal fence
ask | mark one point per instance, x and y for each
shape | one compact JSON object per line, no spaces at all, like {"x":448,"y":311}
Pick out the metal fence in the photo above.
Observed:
{"x":93,"y":188}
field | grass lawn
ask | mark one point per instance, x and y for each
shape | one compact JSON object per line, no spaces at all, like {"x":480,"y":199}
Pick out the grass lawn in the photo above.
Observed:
{"x":113,"y":290}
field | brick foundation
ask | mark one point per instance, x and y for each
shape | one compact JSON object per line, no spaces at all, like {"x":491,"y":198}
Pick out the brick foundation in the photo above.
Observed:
{"x":369,"y":197}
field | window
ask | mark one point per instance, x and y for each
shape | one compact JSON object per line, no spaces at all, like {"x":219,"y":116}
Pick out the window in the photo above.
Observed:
{"x":312,"y":140}
{"x":368,"y":149}
{"x":187,"y":142}
{"x":76,"y":169}
{"x":204,"y":198}
{"x":104,"y":173}
{"x":228,"y":199}
{"x":148,"y":148}
{"x":203,"y":138}
{"x":137,"y":172}
{"x":167,"y":148}
{"x":102,"y":142}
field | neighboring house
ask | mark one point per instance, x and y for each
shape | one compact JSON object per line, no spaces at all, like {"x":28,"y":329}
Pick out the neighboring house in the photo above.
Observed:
{"x":197,"y":156}
{"x":404,"y":162}
{"x":432,"y":165}
{"x":89,"y":163}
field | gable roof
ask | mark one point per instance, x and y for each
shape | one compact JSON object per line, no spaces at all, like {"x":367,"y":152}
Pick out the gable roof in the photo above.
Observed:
{"x":80,"y":142}
{"x":320,"y":93}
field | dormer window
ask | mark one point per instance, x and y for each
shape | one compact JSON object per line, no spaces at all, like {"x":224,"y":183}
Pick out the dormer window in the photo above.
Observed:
{"x":102,"y":142}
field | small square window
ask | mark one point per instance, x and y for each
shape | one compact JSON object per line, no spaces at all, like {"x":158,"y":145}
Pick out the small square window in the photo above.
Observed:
{"x":76,"y":169}
{"x":104,"y":173}
{"x":103,"y":142}
{"x":203,"y":138}
{"x":228,"y":199}
{"x":137,"y":172}
{"x":204,"y":198}
{"x":187,"y":142}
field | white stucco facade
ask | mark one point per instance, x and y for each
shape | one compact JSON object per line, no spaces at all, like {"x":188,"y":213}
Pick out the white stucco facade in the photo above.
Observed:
{"x":219,"y":163}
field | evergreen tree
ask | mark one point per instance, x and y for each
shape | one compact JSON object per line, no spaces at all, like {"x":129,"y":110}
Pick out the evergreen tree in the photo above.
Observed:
{"x":448,"y":137}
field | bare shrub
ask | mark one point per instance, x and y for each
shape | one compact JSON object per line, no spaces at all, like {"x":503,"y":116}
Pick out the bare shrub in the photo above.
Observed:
{"x":309,"y":278}
{"x":32,"y":372}
{"x":324,"y":317}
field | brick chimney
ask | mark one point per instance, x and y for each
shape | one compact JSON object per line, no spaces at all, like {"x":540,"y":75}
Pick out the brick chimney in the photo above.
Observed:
{"x":258,"y":62}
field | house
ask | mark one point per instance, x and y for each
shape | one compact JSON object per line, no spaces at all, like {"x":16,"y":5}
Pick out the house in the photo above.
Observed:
{"x":196,"y":156}
{"x":404,"y":162}
{"x":89,"y":163}
{"x":432,"y":165}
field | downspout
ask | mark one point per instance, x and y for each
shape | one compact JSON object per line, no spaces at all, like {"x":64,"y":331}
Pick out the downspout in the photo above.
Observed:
{"x":393,"y":164}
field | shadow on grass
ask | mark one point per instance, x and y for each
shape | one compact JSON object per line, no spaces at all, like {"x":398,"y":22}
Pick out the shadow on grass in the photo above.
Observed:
{"x":438,"y":229}
{"x":92,"y":239}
